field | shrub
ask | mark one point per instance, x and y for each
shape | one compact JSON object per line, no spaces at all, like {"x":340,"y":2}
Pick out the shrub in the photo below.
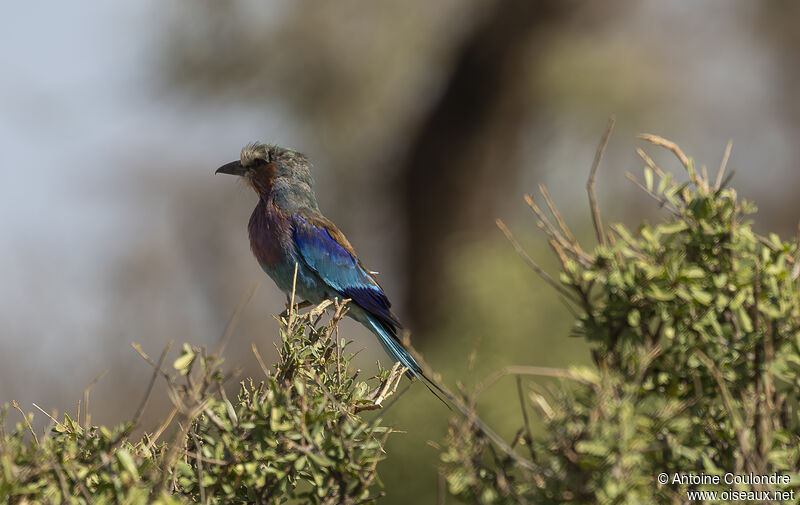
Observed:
{"x":694,"y":328}
{"x":297,"y":434}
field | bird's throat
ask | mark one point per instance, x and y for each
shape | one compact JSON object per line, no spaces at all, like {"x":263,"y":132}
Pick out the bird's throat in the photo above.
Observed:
{"x":262,"y":179}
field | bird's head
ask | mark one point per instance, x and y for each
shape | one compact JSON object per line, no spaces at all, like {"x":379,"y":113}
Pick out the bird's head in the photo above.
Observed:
{"x":264,"y":166}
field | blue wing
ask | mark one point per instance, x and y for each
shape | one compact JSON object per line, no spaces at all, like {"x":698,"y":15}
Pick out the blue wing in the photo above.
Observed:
{"x":326,"y":251}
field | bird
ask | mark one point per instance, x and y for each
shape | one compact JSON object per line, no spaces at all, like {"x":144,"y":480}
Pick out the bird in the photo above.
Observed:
{"x":288,"y":233}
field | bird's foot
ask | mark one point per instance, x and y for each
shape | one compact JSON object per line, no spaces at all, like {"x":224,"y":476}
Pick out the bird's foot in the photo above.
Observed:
{"x":385,"y":390}
{"x":301,"y":305}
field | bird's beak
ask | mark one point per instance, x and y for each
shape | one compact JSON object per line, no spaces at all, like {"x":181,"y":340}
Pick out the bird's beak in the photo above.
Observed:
{"x":233,"y":168}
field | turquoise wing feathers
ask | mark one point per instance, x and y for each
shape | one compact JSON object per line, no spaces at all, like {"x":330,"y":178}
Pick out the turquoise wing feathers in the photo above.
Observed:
{"x":325,"y":250}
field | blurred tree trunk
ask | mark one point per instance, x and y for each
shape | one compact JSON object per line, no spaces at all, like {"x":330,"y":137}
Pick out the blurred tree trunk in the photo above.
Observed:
{"x":778,"y":23}
{"x":465,"y":153}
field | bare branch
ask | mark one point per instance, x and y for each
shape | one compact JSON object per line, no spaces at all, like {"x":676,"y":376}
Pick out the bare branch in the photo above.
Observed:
{"x":536,"y":268}
{"x":561,"y":223}
{"x":87,"y":417}
{"x":233,"y":321}
{"x":723,"y":165}
{"x":259,"y":359}
{"x":27,"y":421}
{"x":291,"y":301}
{"x":53,"y":419}
{"x":667,"y":144}
{"x":528,"y":431}
{"x":386,"y":389}
{"x":650,"y":163}
{"x":539,"y":371}
{"x":598,"y":223}
{"x":152,"y":440}
{"x":139,"y":411}
{"x":547,"y":226}
{"x":659,"y":198}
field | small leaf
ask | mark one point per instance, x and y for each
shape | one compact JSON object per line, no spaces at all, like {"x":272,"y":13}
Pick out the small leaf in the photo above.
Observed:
{"x":126,"y":460}
{"x":702,"y":297}
{"x":648,"y":178}
{"x":634,"y":318}
{"x":185,"y":359}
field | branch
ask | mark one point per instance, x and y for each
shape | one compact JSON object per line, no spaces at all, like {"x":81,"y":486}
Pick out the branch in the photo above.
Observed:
{"x":598,"y":223}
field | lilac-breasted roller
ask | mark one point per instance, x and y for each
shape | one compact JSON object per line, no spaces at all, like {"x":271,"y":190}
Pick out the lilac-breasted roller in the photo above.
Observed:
{"x":288,"y":229}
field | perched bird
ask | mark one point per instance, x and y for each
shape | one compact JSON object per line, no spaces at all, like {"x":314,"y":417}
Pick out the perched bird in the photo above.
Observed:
{"x":288,"y":229}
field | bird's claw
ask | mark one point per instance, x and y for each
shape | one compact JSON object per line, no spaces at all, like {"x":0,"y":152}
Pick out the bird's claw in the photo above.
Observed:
{"x":386,"y":389}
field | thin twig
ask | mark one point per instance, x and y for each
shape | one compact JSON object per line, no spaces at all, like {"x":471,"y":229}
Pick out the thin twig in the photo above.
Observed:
{"x":769,"y":245}
{"x":228,"y":405}
{"x":214,"y":419}
{"x":386,"y":389}
{"x":85,"y":492}
{"x":752,"y":459}
{"x":468,"y":411}
{"x":52,"y":418}
{"x":667,"y":144}
{"x":598,"y":223}
{"x":147,"y":358}
{"x":539,"y":371}
{"x":338,"y":355}
{"x":394,"y":400}
{"x":62,"y":481}
{"x":87,"y":417}
{"x":484,"y":428}
{"x":27,"y":422}
{"x":536,"y":268}
{"x":727,"y":179}
{"x":650,"y":163}
{"x":562,"y":256}
{"x":659,"y":198}
{"x":769,"y":356}
{"x":545,"y":224}
{"x":330,"y":396}
{"x":261,"y":362}
{"x":197,"y":456}
{"x":291,"y":301}
{"x":560,"y":220}
{"x":199,"y":459}
{"x":527,"y":422}
{"x":161,"y":428}
{"x":245,"y":300}
{"x":723,"y":165}
{"x":139,"y":411}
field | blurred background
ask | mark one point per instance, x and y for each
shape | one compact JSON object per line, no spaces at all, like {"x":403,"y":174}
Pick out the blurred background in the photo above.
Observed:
{"x":425,"y":122}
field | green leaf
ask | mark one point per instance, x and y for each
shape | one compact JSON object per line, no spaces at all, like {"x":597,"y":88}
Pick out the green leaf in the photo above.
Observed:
{"x":634,"y":318}
{"x":702,"y":297}
{"x":673,"y":227}
{"x":185,"y":359}
{"x":126,"y":461}
{"x":656,"y":293}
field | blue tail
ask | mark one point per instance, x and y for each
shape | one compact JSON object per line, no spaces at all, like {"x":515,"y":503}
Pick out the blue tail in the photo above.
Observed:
{"x":387,"y":334}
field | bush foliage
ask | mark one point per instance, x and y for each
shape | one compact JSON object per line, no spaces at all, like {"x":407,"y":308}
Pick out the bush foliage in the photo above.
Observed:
{"x":693,"y":324}
{"x":296,"y":435}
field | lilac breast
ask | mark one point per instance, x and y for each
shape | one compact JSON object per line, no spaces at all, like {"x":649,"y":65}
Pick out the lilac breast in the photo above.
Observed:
{"x":269,"y":235}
